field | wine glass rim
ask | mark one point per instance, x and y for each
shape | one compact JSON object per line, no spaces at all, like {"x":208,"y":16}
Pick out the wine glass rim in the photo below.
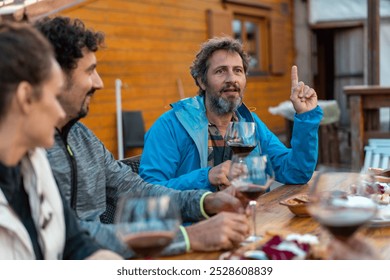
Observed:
{"x":250,"y":155}
{"x":241,"y":123}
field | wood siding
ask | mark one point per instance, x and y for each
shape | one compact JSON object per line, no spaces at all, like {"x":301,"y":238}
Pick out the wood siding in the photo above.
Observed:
{"x":150,"y":46}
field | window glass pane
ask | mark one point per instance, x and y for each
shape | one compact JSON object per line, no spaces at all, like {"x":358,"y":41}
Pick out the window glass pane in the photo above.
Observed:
{"x":253,"y":33}
{"x":237,"y":29}
{"x":250,"y":29}
{"x":251,"y":44}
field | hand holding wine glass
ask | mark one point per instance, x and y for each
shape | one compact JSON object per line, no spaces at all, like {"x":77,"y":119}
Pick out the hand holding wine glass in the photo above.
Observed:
{"x":147,"y":224}
{"x":251,"y":175}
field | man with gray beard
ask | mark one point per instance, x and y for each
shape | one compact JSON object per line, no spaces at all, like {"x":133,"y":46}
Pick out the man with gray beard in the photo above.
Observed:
{"x":185,"y":147}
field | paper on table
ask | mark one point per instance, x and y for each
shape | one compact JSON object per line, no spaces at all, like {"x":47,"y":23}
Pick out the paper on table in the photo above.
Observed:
{"x":276,"y":247}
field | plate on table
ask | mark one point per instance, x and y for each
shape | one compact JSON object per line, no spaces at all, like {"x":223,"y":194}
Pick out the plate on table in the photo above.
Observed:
{"x":382,"y":218}
{"x":382,"y":196}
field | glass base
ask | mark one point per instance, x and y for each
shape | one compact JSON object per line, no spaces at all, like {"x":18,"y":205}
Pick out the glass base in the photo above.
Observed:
{"x":251,"y":239}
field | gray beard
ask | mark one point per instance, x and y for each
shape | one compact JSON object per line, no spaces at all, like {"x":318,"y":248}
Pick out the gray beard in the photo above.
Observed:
{"x":82,"y":114}
{"x":221,"y":106}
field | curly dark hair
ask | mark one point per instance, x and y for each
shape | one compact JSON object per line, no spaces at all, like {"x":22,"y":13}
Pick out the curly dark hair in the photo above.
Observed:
{"x":25,"y":55}
{"x":69,"y":37}
{"x":201,"y":65}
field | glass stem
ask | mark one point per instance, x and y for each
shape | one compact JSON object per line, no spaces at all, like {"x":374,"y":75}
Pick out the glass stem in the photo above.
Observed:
{"x":253,"y":205}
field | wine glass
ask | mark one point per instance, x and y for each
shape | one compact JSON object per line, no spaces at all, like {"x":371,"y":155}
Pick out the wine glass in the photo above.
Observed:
{"x":147,"y":224}
{"x":241,"y":137}
{"x":341,"y":211}
{"x":252,"y":176}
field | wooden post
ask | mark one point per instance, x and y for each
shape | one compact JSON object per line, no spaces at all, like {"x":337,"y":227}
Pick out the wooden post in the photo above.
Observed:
{"x":373,"y":25}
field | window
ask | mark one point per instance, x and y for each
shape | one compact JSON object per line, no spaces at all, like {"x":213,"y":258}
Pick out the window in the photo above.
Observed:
{"x":260,"y":27}
{"x":253,"y":33}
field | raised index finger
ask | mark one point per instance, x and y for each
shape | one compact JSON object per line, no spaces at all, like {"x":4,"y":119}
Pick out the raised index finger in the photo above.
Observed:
{"x":294,"y":76}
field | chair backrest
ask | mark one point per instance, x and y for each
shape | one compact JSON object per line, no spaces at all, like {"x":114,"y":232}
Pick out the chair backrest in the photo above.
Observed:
{"x":108,"y":216}
{"x":133,"y":162}
{"x":133,"y":129}
{"x":377,"y":154}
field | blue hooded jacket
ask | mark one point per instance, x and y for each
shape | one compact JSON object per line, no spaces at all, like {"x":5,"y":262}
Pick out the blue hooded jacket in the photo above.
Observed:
{"x":176,"y":147}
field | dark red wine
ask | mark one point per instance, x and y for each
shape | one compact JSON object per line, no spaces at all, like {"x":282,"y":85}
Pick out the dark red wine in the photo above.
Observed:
{"x":251,"y":192}
{"x":344,"y":222}
{"x":240,"y":148}
{"x":342,"y":232}
{"x":148,"y":244}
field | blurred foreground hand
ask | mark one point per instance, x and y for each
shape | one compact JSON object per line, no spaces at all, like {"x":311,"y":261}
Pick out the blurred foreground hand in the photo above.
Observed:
{"x":221,"y":232}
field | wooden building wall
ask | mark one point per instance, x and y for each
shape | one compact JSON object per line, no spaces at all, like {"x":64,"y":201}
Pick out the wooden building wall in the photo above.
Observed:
{"x":150,"y":46}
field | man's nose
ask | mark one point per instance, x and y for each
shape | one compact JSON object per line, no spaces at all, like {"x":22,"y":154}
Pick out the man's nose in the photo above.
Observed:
{"x":231,"y":77}
{"x":97,"y":81}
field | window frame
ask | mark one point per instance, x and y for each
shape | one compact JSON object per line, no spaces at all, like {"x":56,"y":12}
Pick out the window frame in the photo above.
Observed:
{"x":220,"y":23}
{"x":261,"y":42}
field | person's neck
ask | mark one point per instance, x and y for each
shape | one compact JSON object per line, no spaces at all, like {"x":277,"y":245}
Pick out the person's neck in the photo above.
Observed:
{"x":66,"y":122}
{"x":220,"y":121}
{"x":64,"y":127}
{"x":62,"y":123}
{"x":12,"y":150}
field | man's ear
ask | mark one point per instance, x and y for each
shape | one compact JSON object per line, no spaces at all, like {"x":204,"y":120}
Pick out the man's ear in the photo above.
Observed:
{"x":24,"y":96}
{"x":200,"y":83}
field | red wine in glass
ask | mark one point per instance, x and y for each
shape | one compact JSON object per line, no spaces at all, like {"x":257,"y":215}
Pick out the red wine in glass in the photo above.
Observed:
{"x":343,"y":222}
{"x":240,"y":148}
{"x":147,"y":224}
{"x":148,"y":244}
{"x":251,"y":175}
{"x":241,"y":137}
{"x":342,"y":214}
{"x":252,"y":192}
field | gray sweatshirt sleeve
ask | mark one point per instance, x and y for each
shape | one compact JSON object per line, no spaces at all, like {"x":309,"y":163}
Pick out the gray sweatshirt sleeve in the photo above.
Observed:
{"x":122,"y":180}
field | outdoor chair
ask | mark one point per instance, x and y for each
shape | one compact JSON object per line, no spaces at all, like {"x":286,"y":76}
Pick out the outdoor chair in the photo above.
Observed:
{"x":109,"y":215}
{"x":133,"y":129}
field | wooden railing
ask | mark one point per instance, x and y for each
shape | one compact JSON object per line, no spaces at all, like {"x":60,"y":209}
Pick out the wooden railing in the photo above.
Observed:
{"x":364,"y":104}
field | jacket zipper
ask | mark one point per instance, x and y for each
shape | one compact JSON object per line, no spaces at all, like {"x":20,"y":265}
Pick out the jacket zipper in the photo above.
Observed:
{"x":72,"y":160}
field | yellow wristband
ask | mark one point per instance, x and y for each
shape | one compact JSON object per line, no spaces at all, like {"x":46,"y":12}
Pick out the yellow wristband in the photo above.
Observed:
{"x":186,"y":239}
{"x":202,"y":205}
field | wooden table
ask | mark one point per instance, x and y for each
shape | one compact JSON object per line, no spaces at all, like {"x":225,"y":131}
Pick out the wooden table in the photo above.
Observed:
{"x":271,"y":216}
